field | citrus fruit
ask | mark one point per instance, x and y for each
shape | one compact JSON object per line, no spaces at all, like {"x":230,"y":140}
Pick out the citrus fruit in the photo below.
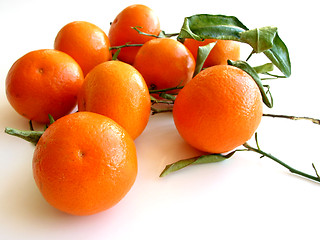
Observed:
{"x":219,"y":109}
{"x":84,"y":163}
{"x":220,"y":53}
{"x":164,"y":63}
{"x":117,"y":90}
{"x":121,"y":32}
{"x":44,"y":82}
{"x":85,"y":42}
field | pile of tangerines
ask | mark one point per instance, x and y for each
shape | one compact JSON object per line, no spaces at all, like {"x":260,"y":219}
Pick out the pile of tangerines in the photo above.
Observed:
{"x":85,"y":162}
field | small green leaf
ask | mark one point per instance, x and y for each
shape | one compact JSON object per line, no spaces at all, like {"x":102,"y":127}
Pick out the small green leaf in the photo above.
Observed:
{"x":211,"y":158}
{"x":265,"y":68}
{"x":260,"y":39}
{"x":279,"y":56}
{"x":250,"y":70}
{"x":30,"y":136}
{"x":203,"y":53}
{"x":204,"y":26}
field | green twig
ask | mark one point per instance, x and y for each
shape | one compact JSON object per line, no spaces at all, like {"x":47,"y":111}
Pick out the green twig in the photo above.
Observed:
{"x":126,"y":45}
{"x":143,"y":33}
{"x":291,"y":169}
{"x":162,"y":34}
{"x":151,"y":91}
{"x":118,"y":48}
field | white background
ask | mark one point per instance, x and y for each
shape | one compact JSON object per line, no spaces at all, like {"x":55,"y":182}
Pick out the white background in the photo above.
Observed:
{"x":244,"y":197}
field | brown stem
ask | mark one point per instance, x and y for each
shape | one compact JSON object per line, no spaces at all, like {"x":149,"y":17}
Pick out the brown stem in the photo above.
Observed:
{"x":314,"y":120}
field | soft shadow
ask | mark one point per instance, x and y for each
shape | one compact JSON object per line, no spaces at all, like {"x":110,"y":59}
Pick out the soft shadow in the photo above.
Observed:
{"x":159,"y":145}
{"x":10,"y":118}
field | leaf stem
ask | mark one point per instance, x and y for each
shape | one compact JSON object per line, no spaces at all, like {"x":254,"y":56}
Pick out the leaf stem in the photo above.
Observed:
{"x":250,"y":55}
{"x":164,"y":90}
{"x":126,"y":45}
{"x":291,"y":169}
{"x":143,"y":33}
{"x":162,"y":34}
{"x":315,"y":170}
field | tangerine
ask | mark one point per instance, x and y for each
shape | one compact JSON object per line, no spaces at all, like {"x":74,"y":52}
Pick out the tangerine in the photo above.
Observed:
{"x":164,"y":63}
{"x":44,"y":82}
{"x":85,"y":42}
{"x":121,"y":32}
{"x":219,"y":109}
{"x":84,"y":163}
{"x":220,"y":53}
{"x":117,"y":90}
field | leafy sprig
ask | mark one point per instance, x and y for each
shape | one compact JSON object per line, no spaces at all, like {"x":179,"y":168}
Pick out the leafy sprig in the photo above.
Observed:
{"x":31,"y":135}
{"x":262,"y":40}
{"x":211,"y":158}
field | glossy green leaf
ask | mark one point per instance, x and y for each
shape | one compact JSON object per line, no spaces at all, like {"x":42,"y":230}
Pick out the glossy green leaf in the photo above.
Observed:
{"x":211,"y":158}
{"x":265,"y":39}
{"x":260,"y":39}
{"x":250,"y":70}
{"x":203,"y":53}
{"x":204,"y":26}
{"x":279,"y":56}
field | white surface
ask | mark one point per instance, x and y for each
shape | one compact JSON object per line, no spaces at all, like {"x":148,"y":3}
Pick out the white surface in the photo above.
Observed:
{"x":242,"y":198}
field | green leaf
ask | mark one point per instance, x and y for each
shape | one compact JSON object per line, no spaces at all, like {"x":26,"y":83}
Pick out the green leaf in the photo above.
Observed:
{"x":250,"y":70}
{"x":279,"y":56}
{"x":204,"y":26}
{"x":260,"y":39}
{"x":203,"y":52}
{"x":268,"y":67}
{"x":265,"y":39}
{"x":30,"y":136}
{"x":211,"y":158}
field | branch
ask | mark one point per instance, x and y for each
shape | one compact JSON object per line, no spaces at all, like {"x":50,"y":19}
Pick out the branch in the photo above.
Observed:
{"x":291,"y":169}
{"x":314,"y":120}
{"x":164,"y":90}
